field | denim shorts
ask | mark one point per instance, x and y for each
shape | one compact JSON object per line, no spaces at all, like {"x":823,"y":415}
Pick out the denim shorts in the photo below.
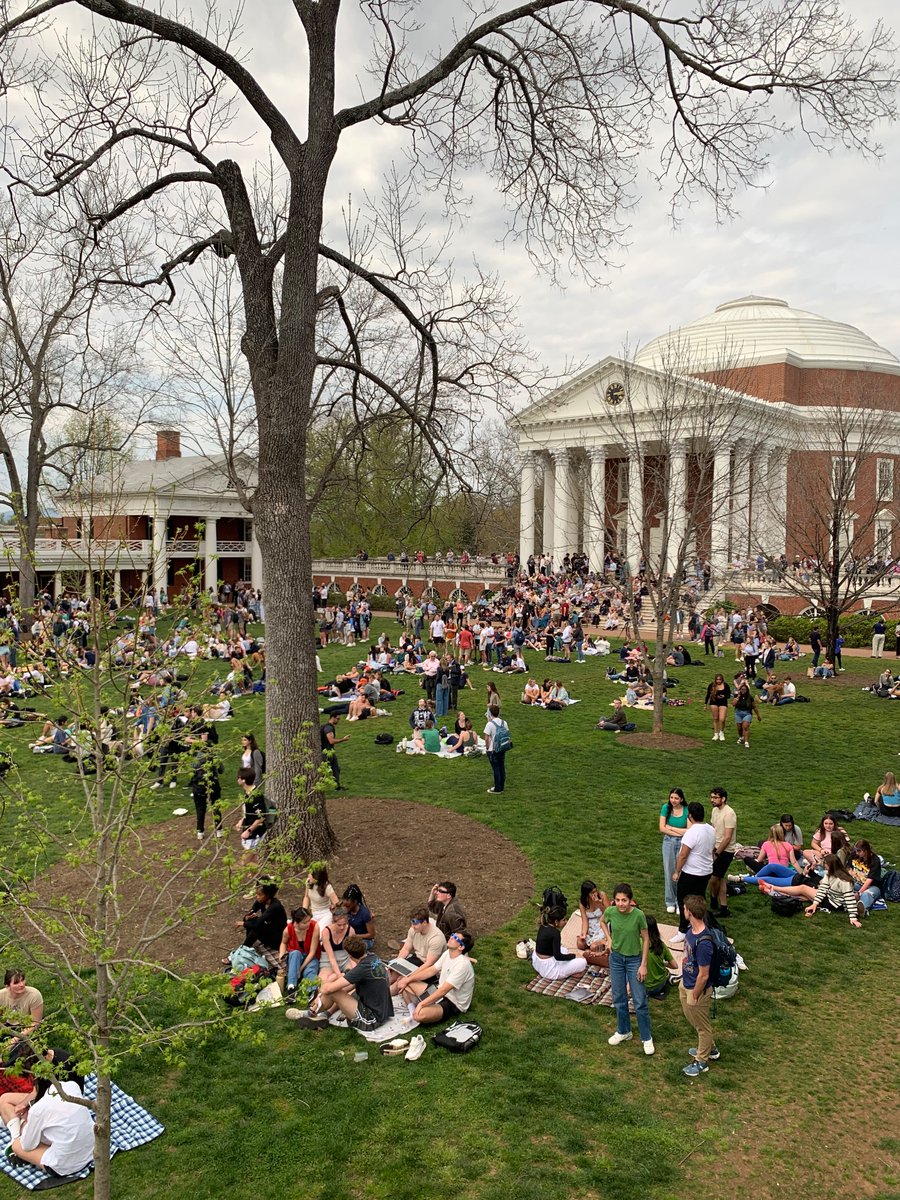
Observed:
{"x":742,"y":717}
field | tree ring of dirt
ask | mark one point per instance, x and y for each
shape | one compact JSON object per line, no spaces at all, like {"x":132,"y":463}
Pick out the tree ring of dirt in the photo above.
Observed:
{"x":661,"y":741}
{"x":394,"y":849}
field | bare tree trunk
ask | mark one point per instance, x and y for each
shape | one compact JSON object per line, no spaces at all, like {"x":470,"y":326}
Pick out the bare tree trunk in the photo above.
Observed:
{"x":102,"y":1137}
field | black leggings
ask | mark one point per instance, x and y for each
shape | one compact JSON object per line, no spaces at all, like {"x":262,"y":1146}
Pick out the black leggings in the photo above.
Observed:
{"x":688,"y":885}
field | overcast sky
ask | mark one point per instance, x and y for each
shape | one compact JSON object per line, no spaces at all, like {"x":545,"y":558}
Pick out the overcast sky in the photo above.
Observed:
{"x":824,"y":234}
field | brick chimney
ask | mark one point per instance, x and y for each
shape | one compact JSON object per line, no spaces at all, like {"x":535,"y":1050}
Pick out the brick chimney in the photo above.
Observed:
{"x":168,"y":444}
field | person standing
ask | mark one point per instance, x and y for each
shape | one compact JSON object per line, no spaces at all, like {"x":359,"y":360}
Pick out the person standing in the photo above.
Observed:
{"x":879,"y":630}
{"x":497,"y":743}
{"x":815,"y":644}
{"x":717,"y":696}
{"x":673,"y":819}
{"x":625,"y":930}
{"x":724,"y":821}
{"x":694,"y":864}
{"x":330,"y":739}
{"x":695,"y":990}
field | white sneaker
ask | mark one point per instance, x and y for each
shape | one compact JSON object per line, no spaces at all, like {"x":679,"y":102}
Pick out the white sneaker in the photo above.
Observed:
{"x":530,"y":945}
{"x":670,"y":908}
{"x":416,"y":1048}
{"x":521,"y":950}
{"x":649,"y":1048}
{"x":618,"y":1038}
{"x":220,"y":833}
{"x":867,"y":797}
{"x":715,"y":737}
{"x":173,"y":784}
{"x":154,"y":786}
{"x":199,"y":836}
{"x":721,"y":735}
{"x":677,"y":940}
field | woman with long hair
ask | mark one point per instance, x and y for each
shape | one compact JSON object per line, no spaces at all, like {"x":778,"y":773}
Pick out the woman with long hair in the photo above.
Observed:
{"x":887,"y":796}
{"x":835,"y":892}
{"x":865,"y":869}
{"x":592,"y":903}
{"x":252,"y":757}
{"x":673,"y":819}
{"x":661,"y":968}
{"x":717,"y":696}
{"x":778,"y":862}
{"x":745,"y":709}
{"x":549,"y":959}
{"x":829,"y":838}
{"x":319,"y":897}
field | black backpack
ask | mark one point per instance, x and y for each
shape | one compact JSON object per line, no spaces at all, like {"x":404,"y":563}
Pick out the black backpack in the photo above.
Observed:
{"x":786,"y":906}
{"x":459,"y":1038}
{"x":553,"y":897}
{"x":383,"y":739}
{"x":890,"y":886}
{"x":724,"y":959}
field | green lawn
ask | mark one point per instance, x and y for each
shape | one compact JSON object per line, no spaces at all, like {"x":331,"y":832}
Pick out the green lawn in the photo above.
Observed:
{"x":804,"y":1096}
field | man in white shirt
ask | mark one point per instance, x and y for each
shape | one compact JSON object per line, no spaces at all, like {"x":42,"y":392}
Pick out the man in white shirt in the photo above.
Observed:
{"x":47,"y":1130}
{"x":455,"y":985}
{"x":694,"y":864}
{"x":437,"y":631}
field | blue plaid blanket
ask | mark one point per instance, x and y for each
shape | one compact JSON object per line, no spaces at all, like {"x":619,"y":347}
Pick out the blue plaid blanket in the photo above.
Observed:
{"x":130,"y":1126}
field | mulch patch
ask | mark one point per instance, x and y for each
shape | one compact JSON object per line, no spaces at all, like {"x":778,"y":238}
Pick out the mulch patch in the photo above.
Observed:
{"x":394,"y":850}
{"x":660,"y":741}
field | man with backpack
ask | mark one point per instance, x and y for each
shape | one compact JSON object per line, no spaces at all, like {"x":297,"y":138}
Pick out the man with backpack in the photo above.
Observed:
{"x":696,"y":988}
{"x":497,"y":742}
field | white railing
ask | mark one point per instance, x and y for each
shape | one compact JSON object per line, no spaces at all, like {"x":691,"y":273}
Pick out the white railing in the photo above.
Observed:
{"x":430,"y":570}
{"x":79,"y":551}
{"x":232,"y":547}
{"x":792,"y":580}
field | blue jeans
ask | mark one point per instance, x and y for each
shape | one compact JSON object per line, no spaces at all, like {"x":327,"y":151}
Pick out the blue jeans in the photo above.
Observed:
{"x":623,"y":968}
{"x":294,"y":959}
{"x":441,"y":699}
{"x":670,"y":847}
{"x":579,"y":646}
{"x":869,"y":896}
{"x":775,"y":873}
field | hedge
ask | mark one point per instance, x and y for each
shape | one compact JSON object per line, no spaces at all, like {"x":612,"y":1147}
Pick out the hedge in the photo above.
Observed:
{"x":855,"y":628}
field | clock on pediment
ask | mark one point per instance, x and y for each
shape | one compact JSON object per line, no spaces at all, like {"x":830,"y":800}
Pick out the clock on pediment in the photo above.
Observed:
{"x":615,"y":393}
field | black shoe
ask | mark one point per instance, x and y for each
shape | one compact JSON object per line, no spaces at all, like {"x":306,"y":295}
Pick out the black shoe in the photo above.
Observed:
{"x":724,"y":912}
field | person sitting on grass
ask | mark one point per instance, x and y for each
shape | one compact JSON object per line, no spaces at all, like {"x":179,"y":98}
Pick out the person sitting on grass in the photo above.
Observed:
{"x":427,"y":740}
{"x":531,"y":693}
{"x":835,"y":892}
{"x":48,"y":1130}
{"x":829,"y":838}
{"x":662,"y":970}
{"x":361,"y":994}
{"x":548,"y":958}
{"x":455,"y":984}
{"x":419,"y":953}
{"x":616,"y":723}
{"x":592,"y":904}
{"x":865,"y":869}
{"x":887,"y":796}
{"x":358,"y":914}
{"x":299,"y":949}
{"x":777,"y":862}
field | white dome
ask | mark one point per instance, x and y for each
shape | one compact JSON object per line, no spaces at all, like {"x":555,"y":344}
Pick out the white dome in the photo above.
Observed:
{"x":761,"y":329}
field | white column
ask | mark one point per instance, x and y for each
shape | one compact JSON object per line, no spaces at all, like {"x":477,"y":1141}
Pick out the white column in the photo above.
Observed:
{"x":211,"y":556}
{"x":595,"y":509}
{"x":759,"y":515}
{"x":548,"y":546}
{"x":117,"y":587}
{"x":676,"y":502}
{"x":721,"y":509}
{"x":743,"y":499}
{"x":256,"y":564}
{"x":777,"y":502}
{"x":634,"y":523}
{"x":57,"y":584}
{"x":160,"y":563}
{"x":526,"y":507}
{"x":562,"y":505}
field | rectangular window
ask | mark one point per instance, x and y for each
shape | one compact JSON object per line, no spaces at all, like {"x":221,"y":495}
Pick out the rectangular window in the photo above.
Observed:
{"x":885,"y":479}
{"x":843,"y":478}
{"x":883,"y":541}
{"x":622,"y":482}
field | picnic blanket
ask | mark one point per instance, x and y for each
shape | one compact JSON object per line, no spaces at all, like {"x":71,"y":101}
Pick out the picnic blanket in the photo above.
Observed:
{"x":405,"y":746}
{"x":567,"y":704}
{"x":869,"y":812}
{"x":400,"y":1025}
{"x":131,"y":1126}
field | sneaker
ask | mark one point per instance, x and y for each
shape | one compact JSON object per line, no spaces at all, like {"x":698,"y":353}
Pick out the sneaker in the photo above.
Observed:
{"x":695,"y":1069}
{"x":618,"y":1038}
{"x":491,"y":791}
{"x":879,"y":906}
{"x":649,"y":1048}
{"x":530,"y":945}
{"x":395,"y":1048}
{"x":416,"y":1048}
{"x":199,"y":836}
{"x":721,"y":735}
{"x":220,"y":833}
{"x":676,"y":941}
{"x":746,"y":745}
{"x":867,"y":797}
{"x":725,"y":912}
{"x":521,"y":950}
{"x":715,"y":737}
{"x":158,"y":784}
{"x":173,"y":784}
{"x":714,"y":1055}
{"x":314,"y":1021}
{"x":670,"y":908}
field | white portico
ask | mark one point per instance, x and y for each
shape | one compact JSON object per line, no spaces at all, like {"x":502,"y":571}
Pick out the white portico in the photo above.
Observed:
{"x":622,"y":453}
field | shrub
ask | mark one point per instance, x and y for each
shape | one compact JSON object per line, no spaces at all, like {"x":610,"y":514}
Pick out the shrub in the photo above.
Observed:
{"x":855,"y":628}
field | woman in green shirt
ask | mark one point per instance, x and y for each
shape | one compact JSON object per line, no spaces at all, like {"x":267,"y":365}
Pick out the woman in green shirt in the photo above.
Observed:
{"x":673,"y":819}
{"x":625,"y":930}
{"x":661,"y":968}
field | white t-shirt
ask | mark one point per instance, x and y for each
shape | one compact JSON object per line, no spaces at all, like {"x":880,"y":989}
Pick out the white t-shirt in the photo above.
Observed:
{"x":68,"y":1128}
{"x":460,"y":974}
{"x":437,"y":628}
{"x":789,"y":690}
{"x":701,"y":840}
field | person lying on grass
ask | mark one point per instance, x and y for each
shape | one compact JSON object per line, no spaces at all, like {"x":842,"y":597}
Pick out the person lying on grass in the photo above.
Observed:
{"x":835,"y":892}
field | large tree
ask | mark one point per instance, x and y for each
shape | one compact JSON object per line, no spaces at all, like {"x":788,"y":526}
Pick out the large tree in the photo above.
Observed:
{"x":555,"y":99}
